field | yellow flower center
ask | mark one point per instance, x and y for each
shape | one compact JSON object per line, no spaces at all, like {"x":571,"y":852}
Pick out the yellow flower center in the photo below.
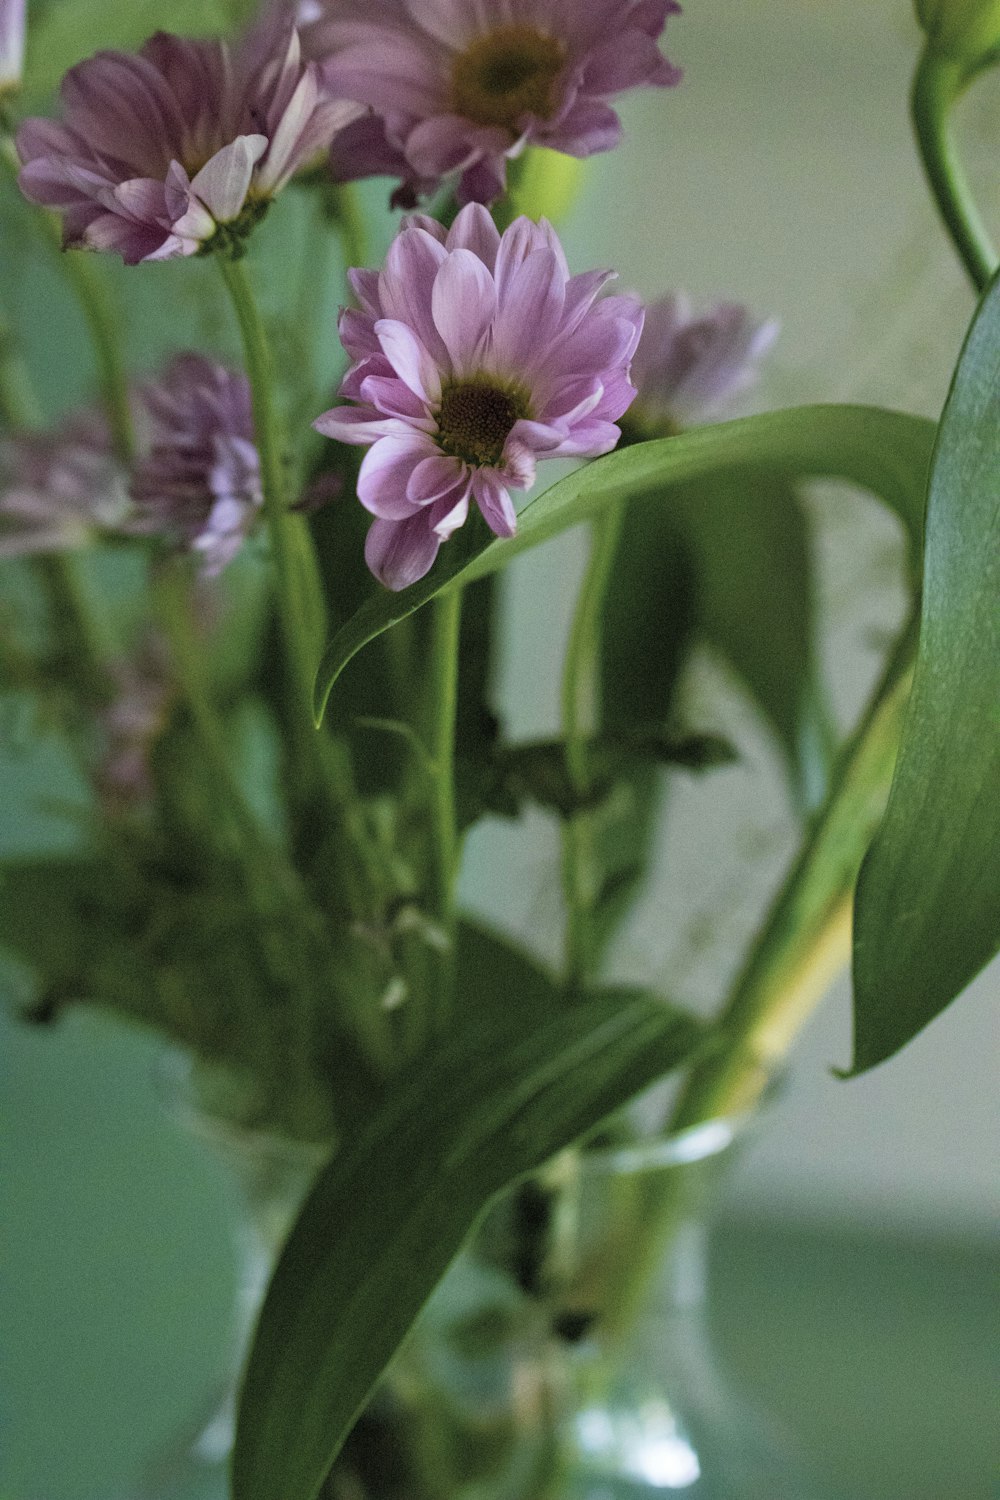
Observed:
{"x":505,"y":75}
{"x":475,"y":421}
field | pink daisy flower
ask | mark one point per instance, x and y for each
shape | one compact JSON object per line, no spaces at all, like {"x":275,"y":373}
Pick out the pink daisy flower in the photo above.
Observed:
{"x":687,"y":366}
{"x":474,"y":355}
{"x":459,"y":86}
{"x":181,"y":146}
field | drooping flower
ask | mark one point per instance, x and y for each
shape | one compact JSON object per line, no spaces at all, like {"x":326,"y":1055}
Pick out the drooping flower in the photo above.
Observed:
{"x":12,"y":28}
{"x":474,"y":355}
{"x":58,"y":489}
{"x":687,"y":366}
{"x":130,"y":725}
{"x":199,"y":483}
{"x":458,"y":86}
{"x":182,"y":145}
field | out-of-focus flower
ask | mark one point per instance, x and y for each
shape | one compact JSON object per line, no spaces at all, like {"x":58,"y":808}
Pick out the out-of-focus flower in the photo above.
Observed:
{"x":199,"y":483}
{"x":58,"y":488}
{"x":458,"y":86}
{"x":12,"y":27}
{"x":181,"y":146}
{"x":130,"y":726}
{"x":964,"y":30}
{"x":687,"y":366}
{"x":474,"y":355}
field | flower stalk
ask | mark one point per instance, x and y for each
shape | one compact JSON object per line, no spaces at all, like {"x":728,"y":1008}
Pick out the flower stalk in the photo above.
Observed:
{"x":103,"y":324}
{"x":441,"y":717}
{"x":579,"y":699}
{"x":939,"y":83}
{"x":299,"y":591}
{"x":806,"y":939}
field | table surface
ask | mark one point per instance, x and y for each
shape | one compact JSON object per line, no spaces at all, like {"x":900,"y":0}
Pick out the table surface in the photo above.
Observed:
{"x":878,"y":1352}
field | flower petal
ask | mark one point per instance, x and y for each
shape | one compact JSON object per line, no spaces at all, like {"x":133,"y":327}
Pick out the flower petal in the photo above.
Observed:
{"x":409,"y":359}
{"x":494,"y":502}
{"x":400,"y":552}
{"x":385,"y":474}
{"x":224,"y":180}
{"x":464,"y":304}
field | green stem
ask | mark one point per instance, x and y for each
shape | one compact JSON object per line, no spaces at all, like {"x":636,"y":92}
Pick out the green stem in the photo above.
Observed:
{"x":580,"y":686}
{"x":104,"y":324}
{"x":937,"y":86}
{"x":441,"y":715}
{"x":171,"y":585}
{"x":806,"y":938}
{"x":299,"y":591}
{"x":82,"y":644}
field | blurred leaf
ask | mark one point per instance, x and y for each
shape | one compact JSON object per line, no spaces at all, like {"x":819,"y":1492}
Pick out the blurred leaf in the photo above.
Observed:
{"x":500,"y":1096}
{"x":754,"y":601}
{"x":537,"y":772}
{"x":725,"y":559}
{"x":72,"y":29}
{"x":646,"y":629}
{"x":885,"y":452}
{"x":927,"y":914}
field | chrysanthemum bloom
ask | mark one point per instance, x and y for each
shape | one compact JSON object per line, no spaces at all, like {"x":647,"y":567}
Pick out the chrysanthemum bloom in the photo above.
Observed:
{"x":131,"y":724}
{"x":199,"y":484}
{"x":459,"y":86}
{"x":181,"y":146}
{"x":12,"y":24}
{"x":474,"y":355}
{"x":58,"y":489}
{"x":686,"y":366}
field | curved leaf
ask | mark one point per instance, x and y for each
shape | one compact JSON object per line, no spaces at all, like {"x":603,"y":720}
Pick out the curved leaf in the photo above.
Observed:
{"x":927,"y":914}
{"x":393,"y":1207}
{"x":885,"y":452}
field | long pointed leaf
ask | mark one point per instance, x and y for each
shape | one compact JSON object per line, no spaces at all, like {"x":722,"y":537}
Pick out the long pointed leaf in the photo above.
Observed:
{"x":927,"y":915}
{"x":394,"y":1206}
{"x":880,"y":450}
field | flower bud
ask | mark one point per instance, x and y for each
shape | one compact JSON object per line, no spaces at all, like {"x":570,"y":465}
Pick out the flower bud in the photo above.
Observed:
{"x":12,"y":25}
{"x":963,"y":30}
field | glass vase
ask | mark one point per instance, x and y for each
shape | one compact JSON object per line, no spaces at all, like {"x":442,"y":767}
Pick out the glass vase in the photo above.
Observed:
{"x":565,"y":1356}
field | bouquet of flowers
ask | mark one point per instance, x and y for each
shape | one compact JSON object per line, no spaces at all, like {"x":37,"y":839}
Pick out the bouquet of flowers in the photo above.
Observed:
{"x":258,"y":600}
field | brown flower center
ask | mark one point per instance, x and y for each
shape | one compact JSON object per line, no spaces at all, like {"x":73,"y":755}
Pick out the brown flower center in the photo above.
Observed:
{"x":506,"y":74}
{"x":475,"y":421}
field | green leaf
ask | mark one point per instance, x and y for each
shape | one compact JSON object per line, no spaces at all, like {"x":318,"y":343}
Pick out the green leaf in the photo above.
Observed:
{"x":879,"y":450}
{"x":394,"y":1206}
{"x":537,"y":772}
{"x":927,"y":914}
{"x":755,"y":603}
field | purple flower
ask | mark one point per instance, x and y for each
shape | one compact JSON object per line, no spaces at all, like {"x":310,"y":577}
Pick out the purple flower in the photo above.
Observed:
{"x":130,"y":726}
{"x":458,"y":86}
{"x":474,"y":354}
{"x":12,"y":26}
{"x":687,"y":367}
{"x":162,"y":152}
{"x":200,"y":481}
{"x":57,"y":488}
